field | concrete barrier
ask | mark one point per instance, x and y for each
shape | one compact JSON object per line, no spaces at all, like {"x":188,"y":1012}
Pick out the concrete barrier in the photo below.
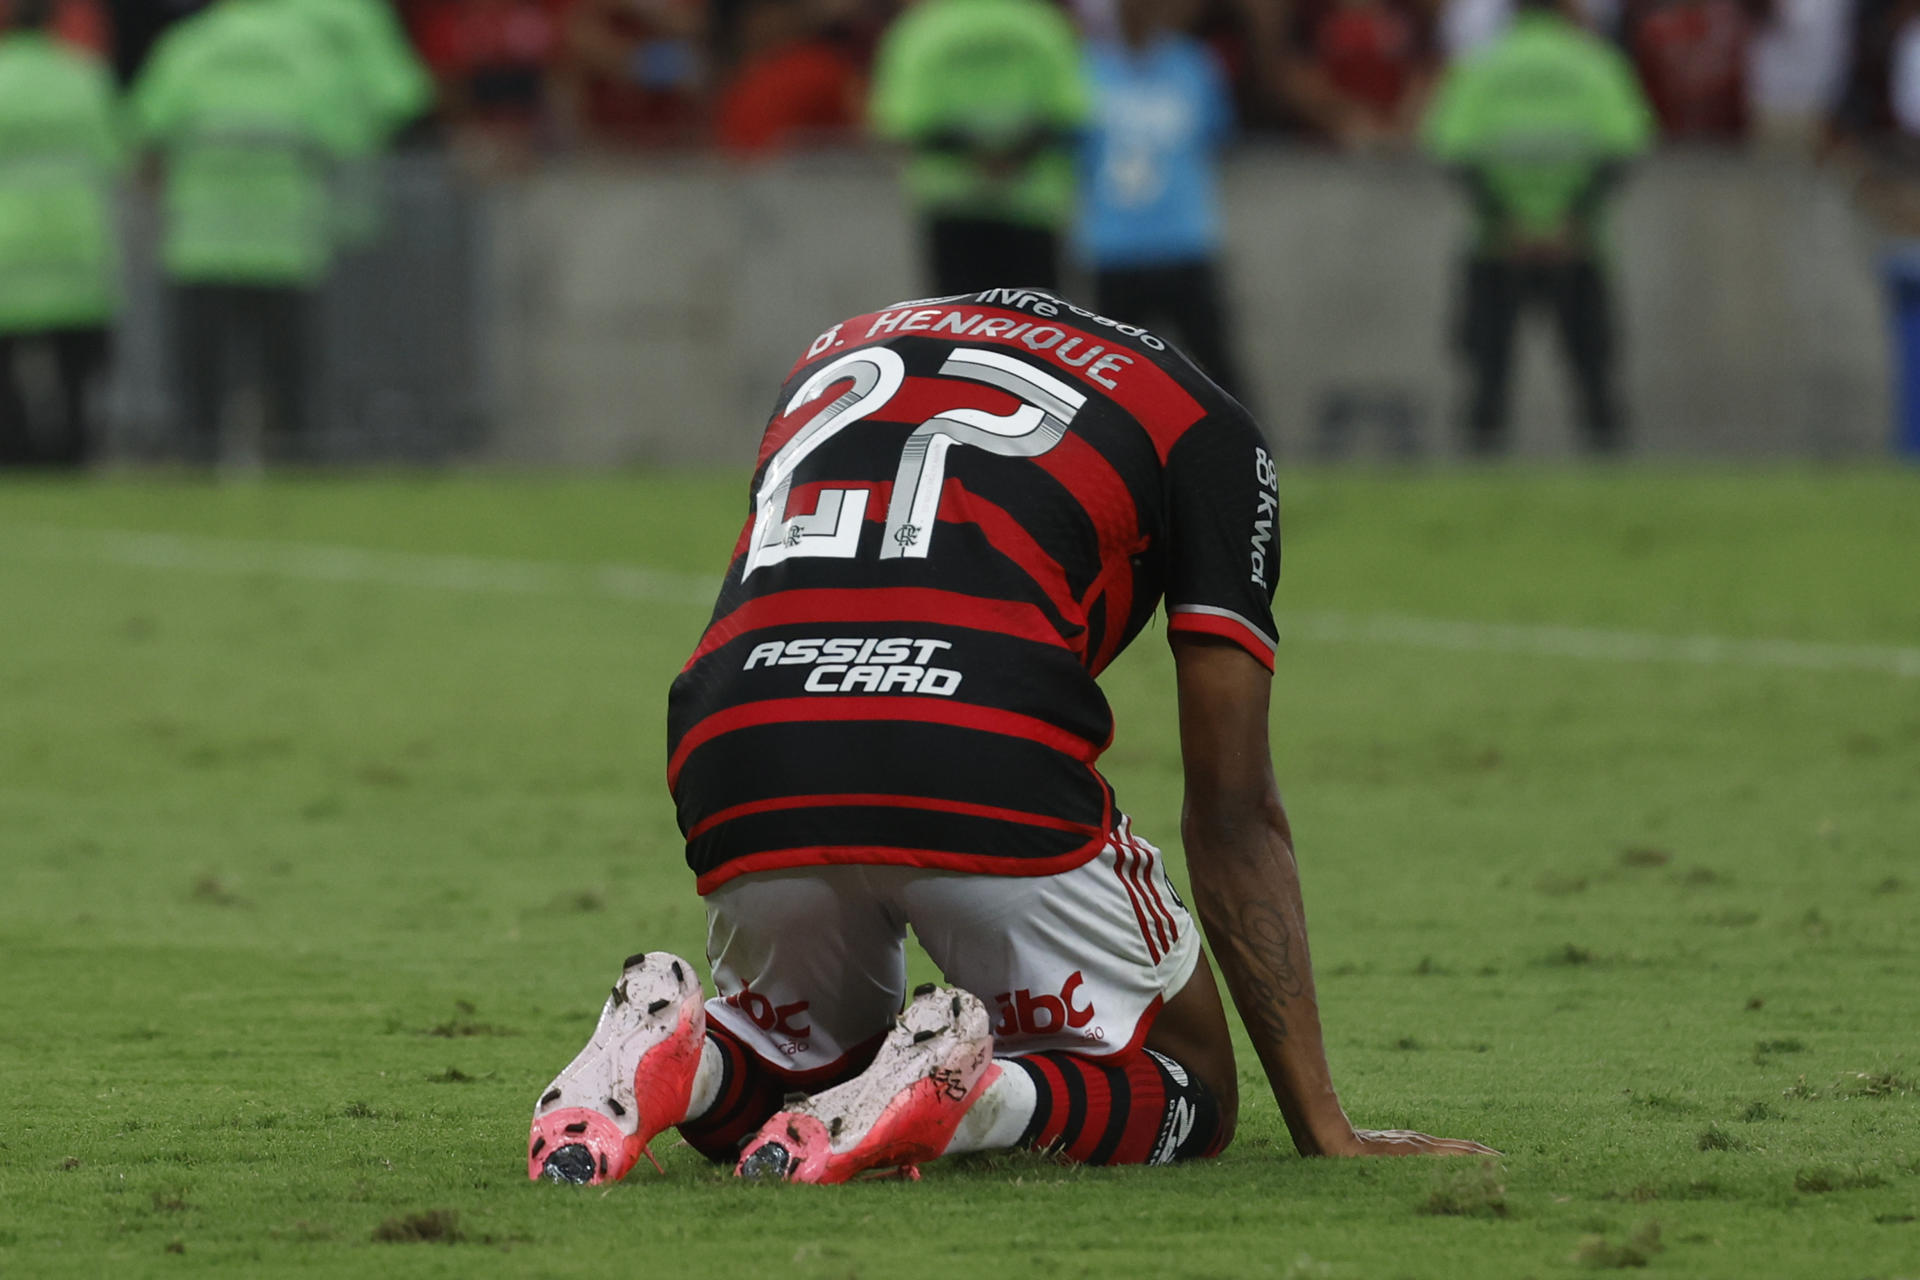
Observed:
{"x":401,"y":329}
{"x":600,"y":313}
{"x":645,"y":313}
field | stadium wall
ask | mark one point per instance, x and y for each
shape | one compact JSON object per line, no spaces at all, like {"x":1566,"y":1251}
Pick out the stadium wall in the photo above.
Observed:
{"x":644,"y":315}
{"x":595,"y":313}
{"x":404,"y":326}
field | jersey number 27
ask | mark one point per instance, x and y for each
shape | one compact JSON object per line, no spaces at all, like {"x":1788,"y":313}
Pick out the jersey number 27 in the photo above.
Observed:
{"x":833,"y":527}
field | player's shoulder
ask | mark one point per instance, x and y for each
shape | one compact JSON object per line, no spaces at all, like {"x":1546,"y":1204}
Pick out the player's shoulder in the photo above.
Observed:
{"x":1139,"y":372}
{"x":1175,"y":396}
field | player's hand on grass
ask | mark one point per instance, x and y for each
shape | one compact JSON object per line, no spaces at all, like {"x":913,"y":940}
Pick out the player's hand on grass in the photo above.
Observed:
{"x":1405,"y":1142}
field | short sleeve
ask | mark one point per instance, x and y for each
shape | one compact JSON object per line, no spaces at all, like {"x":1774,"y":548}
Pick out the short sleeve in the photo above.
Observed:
{"x":155,"y":107}
{"x":1071,"y":101}
{"x":1630,"y":125}
{"x":105,"y":128}
{"x":1223,"y":493}
{"x":1449,"y":126}
{"x":404,"y":87}
{"x":340,"y":123}
{"x":897,"y":109}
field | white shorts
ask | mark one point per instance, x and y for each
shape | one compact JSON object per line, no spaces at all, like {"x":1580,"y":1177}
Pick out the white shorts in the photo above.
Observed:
{"x":811,"y":963}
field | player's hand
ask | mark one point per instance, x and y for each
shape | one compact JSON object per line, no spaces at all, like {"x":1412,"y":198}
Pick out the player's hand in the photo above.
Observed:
{"x":1405,"y":1142}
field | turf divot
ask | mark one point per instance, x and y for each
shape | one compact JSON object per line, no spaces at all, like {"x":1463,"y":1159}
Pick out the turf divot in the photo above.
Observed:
{"x":1714,"y":1138}
{"x":1764,"y":1051}
{"x":215,"y":891}
{"x":1827,"y":1179}
{"x":432,"y":1226}
{"x":1868,"y":1085}
{"x":1637,"y":1250}
{"x":464,"y":1024}
{"x":1473,"y":1192}
{"x":170,"y":1200}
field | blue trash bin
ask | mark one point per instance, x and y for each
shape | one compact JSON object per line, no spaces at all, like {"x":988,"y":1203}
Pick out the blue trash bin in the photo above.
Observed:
{"x":1902,"y":271}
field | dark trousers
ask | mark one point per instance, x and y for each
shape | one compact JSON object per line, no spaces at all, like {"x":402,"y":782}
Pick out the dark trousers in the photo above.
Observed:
{"x":65,"y":436}
{"x":1180,"y":301}
{"x":1498,"y":292}
{"x":968,"y":255}
{"x":227,"y":335}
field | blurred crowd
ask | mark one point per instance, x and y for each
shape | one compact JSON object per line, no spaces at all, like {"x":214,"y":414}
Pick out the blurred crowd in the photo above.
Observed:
{"x":1028,"y":126}
{"x":754,"y":75}
{"x":262,"y":125}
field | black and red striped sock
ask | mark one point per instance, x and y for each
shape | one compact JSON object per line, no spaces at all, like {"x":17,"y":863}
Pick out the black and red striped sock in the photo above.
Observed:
{"x":751,"y":1090}
{"x":748,"y":1094}
{"x":1138,"y":1107}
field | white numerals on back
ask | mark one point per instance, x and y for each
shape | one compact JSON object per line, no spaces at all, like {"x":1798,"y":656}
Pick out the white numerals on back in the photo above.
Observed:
{"x":833,"y":527}
{"x":1029,"y":431}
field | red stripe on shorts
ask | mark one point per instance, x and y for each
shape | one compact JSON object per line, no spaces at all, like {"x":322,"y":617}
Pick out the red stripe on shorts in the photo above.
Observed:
{"x":1122,"y":854}
{"x":1170,"y":929}
{"x":1130,"y":858}
{"x":1143,"y":866}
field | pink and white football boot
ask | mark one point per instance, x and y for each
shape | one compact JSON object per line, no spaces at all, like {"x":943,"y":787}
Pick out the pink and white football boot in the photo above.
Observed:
{"x":897,"y":1113}
{"x":632,"y":1081}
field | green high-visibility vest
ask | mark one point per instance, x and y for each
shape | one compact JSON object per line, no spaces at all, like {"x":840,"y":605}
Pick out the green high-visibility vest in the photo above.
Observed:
{"x":992,"y":69}
{"x":251,"y":115}
{"x":60,"y":151}
{"x":388,"y":86}
{"x":387,"y":83}
{"x":1534,"y":115}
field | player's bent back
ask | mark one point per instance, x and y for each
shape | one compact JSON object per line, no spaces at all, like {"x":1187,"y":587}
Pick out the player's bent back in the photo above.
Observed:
{"x":963,"y":510}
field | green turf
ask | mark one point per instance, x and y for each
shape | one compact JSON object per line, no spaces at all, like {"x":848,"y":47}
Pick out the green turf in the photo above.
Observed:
{"x":308,"y":884}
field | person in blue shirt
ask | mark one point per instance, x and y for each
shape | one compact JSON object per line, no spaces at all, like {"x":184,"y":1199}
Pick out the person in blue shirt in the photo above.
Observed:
{"x":1149,"y":224}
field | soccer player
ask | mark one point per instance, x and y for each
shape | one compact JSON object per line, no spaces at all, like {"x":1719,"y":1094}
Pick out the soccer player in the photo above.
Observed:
{"x":964,"y":509}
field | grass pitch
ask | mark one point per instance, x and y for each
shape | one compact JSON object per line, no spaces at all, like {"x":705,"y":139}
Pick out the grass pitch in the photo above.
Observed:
{"x":328,"y":808}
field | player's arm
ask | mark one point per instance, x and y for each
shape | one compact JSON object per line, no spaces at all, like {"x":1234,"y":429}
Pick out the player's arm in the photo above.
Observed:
{"x":1246,"y":889}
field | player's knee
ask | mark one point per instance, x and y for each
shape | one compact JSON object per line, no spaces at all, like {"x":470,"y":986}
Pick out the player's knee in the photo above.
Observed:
{"x":1132,"y":1108}
{"x":1226,"y":1095}
{"x":1223,"y":1133}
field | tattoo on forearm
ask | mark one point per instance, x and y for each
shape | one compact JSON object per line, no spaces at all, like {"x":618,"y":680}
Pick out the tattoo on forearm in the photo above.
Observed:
{"x":1270,"y":938}
{"x":1276,"y":979}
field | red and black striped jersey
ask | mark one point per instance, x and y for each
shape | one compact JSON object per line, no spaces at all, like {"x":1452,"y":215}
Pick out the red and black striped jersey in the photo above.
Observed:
{"x":964,"y":508}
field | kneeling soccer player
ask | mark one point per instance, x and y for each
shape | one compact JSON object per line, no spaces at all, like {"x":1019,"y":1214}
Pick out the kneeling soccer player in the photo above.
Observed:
{"x":964,"y":509}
